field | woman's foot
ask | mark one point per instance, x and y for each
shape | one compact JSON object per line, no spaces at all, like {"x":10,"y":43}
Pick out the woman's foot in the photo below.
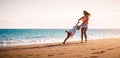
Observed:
{"x":81,"y":42}
{"x":85,"y":41}
{"x":63,"y":42}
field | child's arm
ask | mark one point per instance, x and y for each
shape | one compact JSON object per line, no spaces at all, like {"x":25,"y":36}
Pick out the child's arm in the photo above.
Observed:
{"x":77,"y":23}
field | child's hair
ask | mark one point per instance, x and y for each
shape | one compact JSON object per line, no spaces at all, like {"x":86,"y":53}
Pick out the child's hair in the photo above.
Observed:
{"x":78,"y":27}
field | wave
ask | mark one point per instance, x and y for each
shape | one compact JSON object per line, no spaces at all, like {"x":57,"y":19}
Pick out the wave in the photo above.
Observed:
{"x":43,"y":36}
{"x":19,"y":42}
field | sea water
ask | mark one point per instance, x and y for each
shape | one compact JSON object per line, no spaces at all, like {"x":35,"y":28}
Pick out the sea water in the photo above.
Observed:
{"x":16,"y":37}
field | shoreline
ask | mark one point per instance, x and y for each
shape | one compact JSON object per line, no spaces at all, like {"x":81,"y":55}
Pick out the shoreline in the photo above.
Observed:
{"x":98,"y":48}
{"x":13,"y":43}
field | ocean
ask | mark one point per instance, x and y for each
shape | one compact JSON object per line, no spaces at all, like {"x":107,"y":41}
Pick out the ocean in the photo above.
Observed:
{"x":16,"y":37}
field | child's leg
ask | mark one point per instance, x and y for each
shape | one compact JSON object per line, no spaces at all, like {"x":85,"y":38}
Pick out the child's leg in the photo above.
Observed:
{"x":68,"y":36}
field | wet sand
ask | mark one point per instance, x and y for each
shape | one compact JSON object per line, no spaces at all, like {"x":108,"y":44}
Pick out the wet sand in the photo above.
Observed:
{"x":100,"y":48}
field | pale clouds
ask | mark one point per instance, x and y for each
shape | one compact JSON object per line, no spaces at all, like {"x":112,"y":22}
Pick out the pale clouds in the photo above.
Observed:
{"x":58,"y":13}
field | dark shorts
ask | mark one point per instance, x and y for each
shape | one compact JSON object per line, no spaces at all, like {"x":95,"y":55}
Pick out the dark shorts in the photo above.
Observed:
{"x":84,"y":26}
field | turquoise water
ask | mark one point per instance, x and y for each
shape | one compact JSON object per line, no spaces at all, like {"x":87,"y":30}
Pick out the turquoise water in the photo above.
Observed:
{"x":30,"y":33}
{"x":13,"y":37}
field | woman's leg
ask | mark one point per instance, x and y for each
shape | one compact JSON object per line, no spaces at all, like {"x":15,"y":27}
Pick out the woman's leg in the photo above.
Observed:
{"x":68,"y":35}
{"x":82,"y":29}
{"x":83,"y":33}
{"x":85,"y":30}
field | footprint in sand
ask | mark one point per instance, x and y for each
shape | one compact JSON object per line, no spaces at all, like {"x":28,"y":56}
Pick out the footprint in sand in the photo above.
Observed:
{"x":95,"y":49}
{"x":95,"y":52}
{"x":98,"y":52}
{"x":92,"y":49}
{"x":110,"y":49}
{"x":30,"y":55}
{"x":38,"y":55}
{"x":93,"y":56}
{"x":61,"y":53}
{"x":102,"y":51}
{"x":50,"y":55}
{"x":85,"y":57}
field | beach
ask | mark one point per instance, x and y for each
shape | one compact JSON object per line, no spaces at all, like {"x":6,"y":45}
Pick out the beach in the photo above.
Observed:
{"x":99,"y":48}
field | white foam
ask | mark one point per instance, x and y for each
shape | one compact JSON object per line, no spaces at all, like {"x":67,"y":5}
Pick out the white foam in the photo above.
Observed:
{"x":29,"y":41}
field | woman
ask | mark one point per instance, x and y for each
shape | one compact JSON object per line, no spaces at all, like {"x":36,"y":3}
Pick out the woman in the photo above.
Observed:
{"x":84,"y":25}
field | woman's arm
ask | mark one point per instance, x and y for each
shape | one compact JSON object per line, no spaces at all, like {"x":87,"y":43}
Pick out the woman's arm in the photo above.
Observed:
{"x":79,"y":20}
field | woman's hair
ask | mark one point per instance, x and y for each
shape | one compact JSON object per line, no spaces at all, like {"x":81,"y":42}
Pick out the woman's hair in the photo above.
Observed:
{"x":86,"y":13}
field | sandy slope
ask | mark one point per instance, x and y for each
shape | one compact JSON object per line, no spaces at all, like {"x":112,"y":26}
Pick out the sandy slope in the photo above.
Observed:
{"x":103,"y":48}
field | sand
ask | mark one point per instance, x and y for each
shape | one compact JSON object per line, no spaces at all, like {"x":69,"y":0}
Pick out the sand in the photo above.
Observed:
{"x":102,"y":48}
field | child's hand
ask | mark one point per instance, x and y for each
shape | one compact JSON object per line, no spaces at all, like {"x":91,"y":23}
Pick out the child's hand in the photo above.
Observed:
{"x":78,"y":27}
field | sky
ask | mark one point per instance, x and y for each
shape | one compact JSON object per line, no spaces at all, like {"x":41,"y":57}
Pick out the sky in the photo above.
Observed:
{"x":105,"y":14}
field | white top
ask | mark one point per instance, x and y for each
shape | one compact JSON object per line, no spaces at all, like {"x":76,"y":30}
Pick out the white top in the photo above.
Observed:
{"x":73,"y":30}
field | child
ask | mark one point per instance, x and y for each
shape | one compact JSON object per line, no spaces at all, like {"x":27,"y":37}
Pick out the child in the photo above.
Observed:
{"x":71,"y":32}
